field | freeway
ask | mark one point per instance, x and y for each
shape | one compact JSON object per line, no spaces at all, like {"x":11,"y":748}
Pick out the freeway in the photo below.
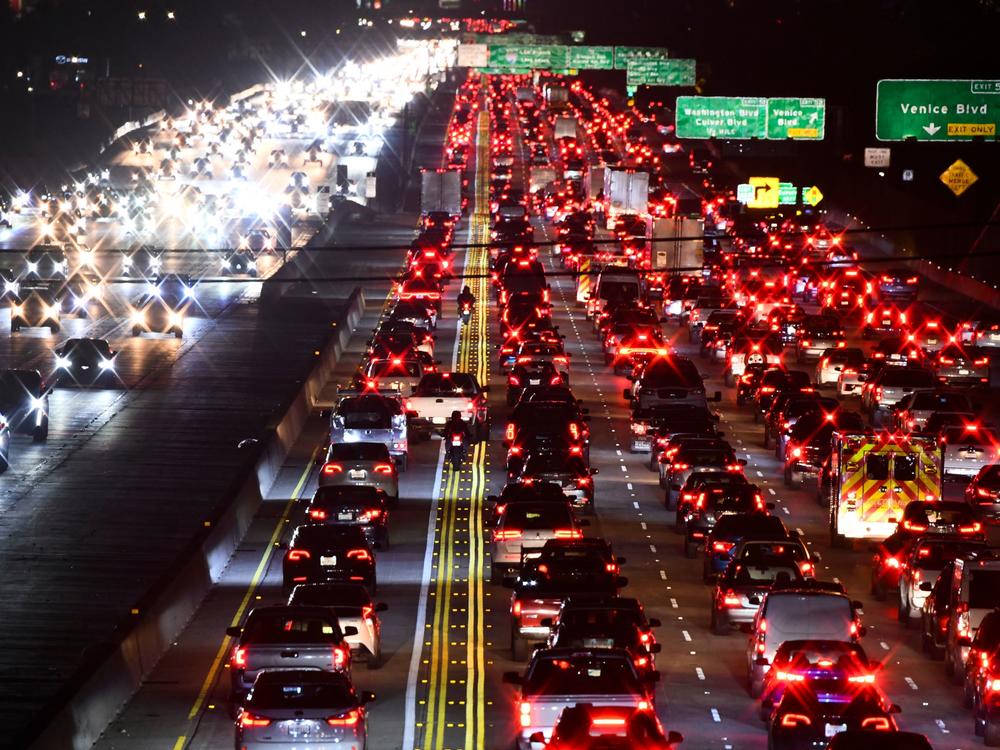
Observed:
{"x":445,"y":637}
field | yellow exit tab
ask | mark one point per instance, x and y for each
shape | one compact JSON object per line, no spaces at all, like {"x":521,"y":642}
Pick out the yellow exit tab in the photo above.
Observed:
{"x":803,"y":132}
{"x":972,"y":129}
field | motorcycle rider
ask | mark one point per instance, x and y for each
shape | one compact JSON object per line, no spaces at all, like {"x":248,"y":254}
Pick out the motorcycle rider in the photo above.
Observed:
{"x":456,"y":426}
{"x":466,"y":297}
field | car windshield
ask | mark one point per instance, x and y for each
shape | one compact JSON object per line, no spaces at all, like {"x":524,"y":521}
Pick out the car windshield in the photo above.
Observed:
{"x":365,"y":413}
{"x":931,"y":556}
{"x":358,"y":452}
{"x":336,"y":596}
{"x":580,"y":675}
{"x":765,"y":571}
{"x":288,"y":626}
{"x":446,"y":384}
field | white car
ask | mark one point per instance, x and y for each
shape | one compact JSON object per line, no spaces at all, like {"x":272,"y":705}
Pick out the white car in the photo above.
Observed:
{"x":833,"y":361}
{"x":968,"y":448}
{"x":528,"y":525}
{"x":353,"y":605}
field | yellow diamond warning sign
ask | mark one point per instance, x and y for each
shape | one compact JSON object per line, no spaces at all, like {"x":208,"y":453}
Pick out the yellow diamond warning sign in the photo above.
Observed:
{"x":958,"y":177}
{"x":812,"y":196}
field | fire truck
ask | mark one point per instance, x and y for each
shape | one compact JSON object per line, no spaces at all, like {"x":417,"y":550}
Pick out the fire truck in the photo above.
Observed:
{"x":871,"y":476}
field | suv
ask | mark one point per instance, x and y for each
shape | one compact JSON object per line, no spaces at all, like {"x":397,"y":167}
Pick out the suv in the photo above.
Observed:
{"x":973,"y":591}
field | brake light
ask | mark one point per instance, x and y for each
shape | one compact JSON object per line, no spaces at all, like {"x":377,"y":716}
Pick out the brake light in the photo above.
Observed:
{"x":911,"y":526}
{"x":863,"y":679}
{"x":340,"y":655}
{"x":639,"y":428}
{"x":795,"y":720}
{"x":767,"y":389}
{"x":525,"y":712}
{"x":974,"y":528}
{"x":383,"y":468}
{"x":568,"y":534}
{"x":891,"y":562}
{"x":514,"y":381}
{"x":329,"y":469}
{"x":345,"y":720}
{"x":504,"y":534}
{"x":583,"y":482}
{"x":680,"y":467}
{"x":807,"y":568}
{"x":730,"y":599}
{"x":249,"y":720}
{"x":790,"y":677}
{"x":359,"y":554}
{"x":240,"y":657}
{"x":298,"y":555}
{"x":723,"y":547}
{"x":608,"y":721}
{"x":316,"y":513}
{"x":878,"y":723}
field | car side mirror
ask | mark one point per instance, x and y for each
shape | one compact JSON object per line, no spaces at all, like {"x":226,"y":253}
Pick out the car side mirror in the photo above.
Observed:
{"x":895,"y":709}
{"x":509,"y":582}
{"x":512,"y":678}
{"x":754,"y":600}
{"x":741,"y":461}
{"x":654,"y":622}
{"x":234,"y":632}
{"x":350,"y":630}
{"x":674,"y":737}
{"x":761,"y":661}
{"x":656,"y":648}
{"x":381,"y":607}
{"x":769,"y":506}
{"x":926,"y":586}
{"x":621,"y":582}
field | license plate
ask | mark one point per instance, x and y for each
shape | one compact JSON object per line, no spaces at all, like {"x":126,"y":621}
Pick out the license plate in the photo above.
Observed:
{"x":932,"y":341}
{"x":345,"y":516}
{"x":439,"y":420}
{"x":534,"y":381}
{"x":456,"y":441}
{"x":328,"y":561}
{"x":358,"y":473}
{"x":598,"y":642}
{"x":963,"y":372}
{"x":834,"y":729}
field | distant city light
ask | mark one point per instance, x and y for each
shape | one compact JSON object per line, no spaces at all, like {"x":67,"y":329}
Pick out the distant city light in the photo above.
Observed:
{"x":142,"y":15}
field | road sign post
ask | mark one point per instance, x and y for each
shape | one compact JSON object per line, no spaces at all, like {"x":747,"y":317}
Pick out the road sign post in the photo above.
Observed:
{"x":937,"y":110}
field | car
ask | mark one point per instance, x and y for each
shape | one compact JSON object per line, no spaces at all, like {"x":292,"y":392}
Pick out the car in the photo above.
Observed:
{"x":850,"y":739}
{"x":936,"y":613}
{"x":835,"y":668}
{"x":81,"y":294}
{"x":160,"y":311}
{"x":586,"y":727}
{"x":752,"y":347}
{"x":986,"y":711}
{"x":776,"y":381}
{"x":657,"y":426}
{"x":740,"y":588}
{"x":898,"y":283}
{"x":973,"y":591}
{"x":361,"y":506}
{"x":983,"y":493}
{"x":612,"y":607}
{"x":891,"y":384}
{"x":556,"y":679}
{"x":353,"y":606}
{"x":806,"y":718}
{"x":528,"y":374}
{"x":319,"y":553}
{"x":360,"y":463}
{"x":985,"y":642}
{"x":24,"y":404}
{"x":696,"y":516}
{"x":35,"y":306}
{"x":692,"y":459}
{"x":966,"y":449}
{"x":439,"y":394}
{"x":816,"y":334}
{"x":885,"y":320}
{"x":525,"y":525}
{"x":372,"y":417}
{"x":833,"y":361}
{"x":808,"y":443}
{"x":307,"y":706}
{"x":962,"y":366}
{"x":289,"y":638}
{"x":566,"y":469}
{"x":85,"y":361}
{"x":786,"y":411}
{"x":911,"y":412}
{"x":45,"y":262}
{"x":730,"y":530}
{"x":401,"y":373}
{"x":807,"y":610}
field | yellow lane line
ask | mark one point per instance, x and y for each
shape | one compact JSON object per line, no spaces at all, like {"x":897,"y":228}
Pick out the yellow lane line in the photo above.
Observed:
{"x":220,"y":655}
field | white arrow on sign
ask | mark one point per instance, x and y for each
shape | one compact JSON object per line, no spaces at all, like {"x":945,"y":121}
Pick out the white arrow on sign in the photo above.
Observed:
{"x":932,"y":128}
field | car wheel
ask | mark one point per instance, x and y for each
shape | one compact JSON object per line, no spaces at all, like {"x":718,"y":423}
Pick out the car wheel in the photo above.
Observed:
{"x":136,"y":330}
{"x":903,"y":611}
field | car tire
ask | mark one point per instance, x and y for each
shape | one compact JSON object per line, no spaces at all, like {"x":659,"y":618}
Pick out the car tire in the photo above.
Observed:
{"x":41,"y":433}
{"x":903,"y":611}
{"x":518,"y":647}
{"x":54,"y":328}
{"x":136,"y":330}
{"x":375,"y":660}
{"x":991,"y":732}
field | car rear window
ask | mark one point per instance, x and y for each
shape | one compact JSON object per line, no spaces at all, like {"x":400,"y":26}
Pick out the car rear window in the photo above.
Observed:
{"x":289,"y":627}
{"x":322,"y":595}
{"x":930,"y":556}
{"x":349,"y":494}
{"x":534,"y":516}
{"x":446,"y":384}
{"x":942,"y":402}
{"x":358,"y":452}
{"x":581,"y":676}
{"x":906,"y":378}
{"x":404,"y":368}
{"x":765,"y":572}
{"x":705,"y":457}
{"x":286,"y":692}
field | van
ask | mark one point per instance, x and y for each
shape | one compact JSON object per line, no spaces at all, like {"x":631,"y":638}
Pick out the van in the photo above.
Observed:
{"x":801,"y":612}
{"x":973,"y":593}
{"x":613,"y":285}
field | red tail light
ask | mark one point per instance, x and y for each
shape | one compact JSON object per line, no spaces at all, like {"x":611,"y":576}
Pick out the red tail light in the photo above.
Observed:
{"x":345,"y":720}
{"x":340,"y":656}
{"x":330,"y":469}
{"x":249,"y":720}
{"x":240,"y":657}
{"x":974,"y":528}
{"x":502,"y":535}
{"x":317,"y":514}
{"x":298,"y":555}
{"x":359,"y":554}
{"x":730,"y":599}
{"x":723,"y":547}
{"x":367,"y":612}
{"x":383,"y":468}
{"x":513,"y":380}
{"x":568,"y":534}
{"x":862,"y":679}
{"x":790,"y":677}
{"x":680,"y":467}
{"x":516,"y":608}
{"x":795,"y":720}
{"x":878,"y":723}
{"x":525,"y":712}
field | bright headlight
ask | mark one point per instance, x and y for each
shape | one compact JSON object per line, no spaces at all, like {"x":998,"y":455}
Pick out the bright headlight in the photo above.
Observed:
{"x":32,"y":266}
{"x":63,"y":362}
{"x":17,"y":309}
{"x":52,"y":310}
{"x":106,"y":364}
{"x":176,"y":318}
{"x":38,"y":403}
{"x":11,"y":287}
{"x":138,"y":316}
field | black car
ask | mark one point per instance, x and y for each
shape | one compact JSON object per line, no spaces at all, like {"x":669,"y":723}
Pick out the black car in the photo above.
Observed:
{"x":696,"y":519}
{"x":239,"y":262}
{"x":730,"y":530}
{"x":160,"y":312}
{"x":24,"y":403}
{"x":803,"y":720}
{"x":319,"y":553}
{"x":360,"y":506}
{"x":45,"y":262}
{"x":35,"y":307}
{"x":85,"y":362}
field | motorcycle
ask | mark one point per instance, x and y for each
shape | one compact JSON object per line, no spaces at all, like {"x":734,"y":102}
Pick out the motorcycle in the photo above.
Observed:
{"x":456,"y":450}
{"x":465,"y":312}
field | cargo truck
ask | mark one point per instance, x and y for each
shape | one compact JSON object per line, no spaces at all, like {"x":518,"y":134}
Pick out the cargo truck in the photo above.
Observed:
{"x":441,"y":191}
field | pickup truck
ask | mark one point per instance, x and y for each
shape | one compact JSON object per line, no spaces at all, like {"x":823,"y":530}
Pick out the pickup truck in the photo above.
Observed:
{"x":371,"y":418}
{"x":560,"y":678}
{"x":439,"y":394}
{"x":283,"y":637}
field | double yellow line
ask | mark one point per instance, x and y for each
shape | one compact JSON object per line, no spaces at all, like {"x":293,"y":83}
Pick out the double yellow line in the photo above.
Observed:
{"x":473,"y":355}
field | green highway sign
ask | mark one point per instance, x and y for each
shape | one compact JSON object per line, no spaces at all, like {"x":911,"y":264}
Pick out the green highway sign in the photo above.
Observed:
{"x":743,"y":118}
{"x":800,"y":119}
{"x":583,"y":58}
{"x":624,"y":54}
{"x":521,"y":56}
{"x":654,"y":72}
{"x":788,"y":194}
{"x":937,"y":110}
{"x":721,"y":117}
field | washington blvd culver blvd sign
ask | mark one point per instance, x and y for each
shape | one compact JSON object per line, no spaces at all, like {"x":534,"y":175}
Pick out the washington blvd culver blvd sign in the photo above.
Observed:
{"x":937,"y":110}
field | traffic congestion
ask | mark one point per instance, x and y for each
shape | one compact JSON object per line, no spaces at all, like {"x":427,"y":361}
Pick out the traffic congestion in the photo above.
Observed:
{"x":609,"y":459}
